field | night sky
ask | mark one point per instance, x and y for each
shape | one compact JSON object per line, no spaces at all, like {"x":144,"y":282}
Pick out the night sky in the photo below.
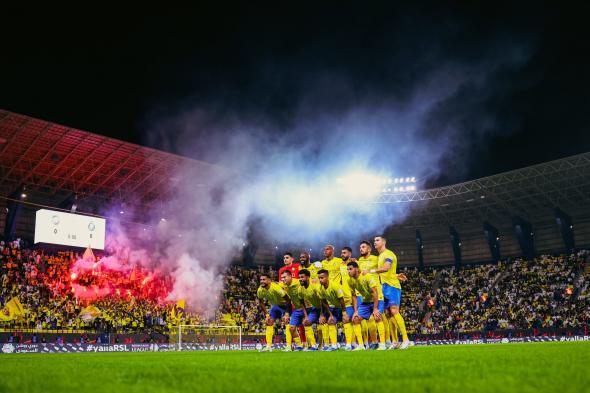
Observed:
{"x":525,"y":99}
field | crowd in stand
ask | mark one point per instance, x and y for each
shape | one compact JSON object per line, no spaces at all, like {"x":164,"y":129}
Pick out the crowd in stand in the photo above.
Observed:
{"x":547,"y":292}
{"x":414,"y":302}
{"x":42,"y":284}
{"x":239,"y":298}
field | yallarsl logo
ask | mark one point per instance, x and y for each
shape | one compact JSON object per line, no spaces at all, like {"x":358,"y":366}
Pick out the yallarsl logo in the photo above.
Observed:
{"x":8,"y":348}
{"x":107,"y":348}
{"x":575,"y":338}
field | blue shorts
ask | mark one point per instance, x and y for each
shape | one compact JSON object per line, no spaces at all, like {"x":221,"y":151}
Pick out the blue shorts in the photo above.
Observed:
{"x":313,"y":315}
{"x":350,"y":311}
{"x":296,"y":317}
{"x":277,"y":312}
{"x":336,"y":312}
{"x":391,"y":295}
{"x":366,"y":309}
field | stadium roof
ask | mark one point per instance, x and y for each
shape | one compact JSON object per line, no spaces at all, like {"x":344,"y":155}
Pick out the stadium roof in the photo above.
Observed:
{"x":56,"y":160}
{"x":529,"y":192}
{"x":52,"y":159}
{"x":532,"y":193}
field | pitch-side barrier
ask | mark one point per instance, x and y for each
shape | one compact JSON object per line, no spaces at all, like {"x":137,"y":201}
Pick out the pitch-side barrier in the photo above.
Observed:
{"x":9,"y":348}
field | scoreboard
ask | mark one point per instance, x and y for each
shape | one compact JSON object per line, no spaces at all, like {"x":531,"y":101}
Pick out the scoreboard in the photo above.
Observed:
{"x":67,"y":229}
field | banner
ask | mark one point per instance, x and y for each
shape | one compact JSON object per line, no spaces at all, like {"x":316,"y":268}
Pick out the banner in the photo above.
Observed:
{"x":79,"y":348}
{"x":528,"y":339}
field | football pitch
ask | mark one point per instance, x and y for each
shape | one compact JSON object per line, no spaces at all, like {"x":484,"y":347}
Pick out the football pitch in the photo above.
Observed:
{"x":534,"y":367}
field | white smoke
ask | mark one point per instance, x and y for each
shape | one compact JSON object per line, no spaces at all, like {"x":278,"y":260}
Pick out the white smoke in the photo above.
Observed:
{"x":284,"y":175}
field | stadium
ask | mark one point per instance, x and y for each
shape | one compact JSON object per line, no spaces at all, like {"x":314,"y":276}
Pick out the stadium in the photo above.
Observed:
{"x":293,"y":247}
{"x":461,"y":277}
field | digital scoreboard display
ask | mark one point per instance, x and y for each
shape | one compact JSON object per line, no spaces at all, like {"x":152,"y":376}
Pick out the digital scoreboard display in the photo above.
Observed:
{"x":69,"y":229}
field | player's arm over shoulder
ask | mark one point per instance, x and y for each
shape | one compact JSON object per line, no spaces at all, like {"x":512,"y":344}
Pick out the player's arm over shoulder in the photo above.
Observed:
{"x":280,"y":289}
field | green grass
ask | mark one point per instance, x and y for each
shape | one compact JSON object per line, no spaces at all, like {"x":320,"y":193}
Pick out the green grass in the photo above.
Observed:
{"x":537,"y":367}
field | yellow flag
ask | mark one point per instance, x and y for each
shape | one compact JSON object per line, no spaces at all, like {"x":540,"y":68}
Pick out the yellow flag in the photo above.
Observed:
{"x":89,"y":313}
{"x":12,"y":310}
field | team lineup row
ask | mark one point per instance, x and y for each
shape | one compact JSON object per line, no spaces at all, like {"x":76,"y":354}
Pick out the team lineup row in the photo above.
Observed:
{"x":363,"y":294}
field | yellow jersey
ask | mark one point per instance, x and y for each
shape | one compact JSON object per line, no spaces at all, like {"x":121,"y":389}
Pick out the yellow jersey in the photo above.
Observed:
{"x":334,"y":293}
{"x":367,"y":264}
{"x":362,"y":286}
{"x":390,"y":276}
{"x":333,"y":268}
{"x":343,"y":273}
{"x":274,"y":294}
{"x":345,"y":276}
{"x":344,"y":280}
{"x":313,"y":270}
{"x":311,"y":295}
{"x":293,"y":292}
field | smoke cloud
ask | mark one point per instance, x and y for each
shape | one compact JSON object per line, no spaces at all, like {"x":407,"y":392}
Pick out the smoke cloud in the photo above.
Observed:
{"x":282,"y":158}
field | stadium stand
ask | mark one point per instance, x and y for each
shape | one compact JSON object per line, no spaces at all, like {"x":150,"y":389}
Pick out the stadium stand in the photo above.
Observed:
{"x":542,"y":296}
{"x":544,"y":293}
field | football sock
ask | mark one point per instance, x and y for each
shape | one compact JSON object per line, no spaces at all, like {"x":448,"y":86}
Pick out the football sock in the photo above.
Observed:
{"x":270,"y":331}
{"x":310,"y":336}
{"x":333,"y":333}
{"x":288,"y":336}
{"x":358,"y":332}
{"x":401,"y":325}
{"x":348,"y":333}
{"x":381,"y":330}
